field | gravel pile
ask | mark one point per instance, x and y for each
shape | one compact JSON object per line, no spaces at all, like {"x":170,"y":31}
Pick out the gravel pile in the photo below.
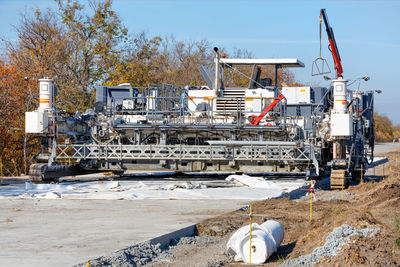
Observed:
{"x":182,"y":243}
{"x":136,"y":255}
{"x":195,"y":240}
{"x":334,"y":242}
{"x":143,"y":253}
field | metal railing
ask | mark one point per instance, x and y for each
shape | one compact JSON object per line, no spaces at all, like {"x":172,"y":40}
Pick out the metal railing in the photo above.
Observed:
{"x":171,"y":105}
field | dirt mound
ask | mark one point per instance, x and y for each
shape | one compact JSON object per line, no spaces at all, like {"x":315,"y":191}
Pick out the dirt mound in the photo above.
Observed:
{"x":368,"y":205}
{"x":367,"y":251}
{"x":390,"y":190}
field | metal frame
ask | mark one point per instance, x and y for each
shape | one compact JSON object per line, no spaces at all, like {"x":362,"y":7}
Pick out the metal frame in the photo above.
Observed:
{"x":170,"y":111}
{"x":186,"y":152}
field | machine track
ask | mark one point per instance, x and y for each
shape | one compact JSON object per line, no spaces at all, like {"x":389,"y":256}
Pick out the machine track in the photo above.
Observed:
{"x":338,"y":179}
{"x":36,"y":172}
{"x":42,"y":173}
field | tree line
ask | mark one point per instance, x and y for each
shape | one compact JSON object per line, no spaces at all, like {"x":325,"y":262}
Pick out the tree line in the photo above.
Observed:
{"x":84,"y":44}
{"x":385,"y":131}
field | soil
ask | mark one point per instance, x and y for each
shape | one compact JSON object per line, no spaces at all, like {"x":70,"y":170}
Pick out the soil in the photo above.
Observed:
{"x":372,"y":204}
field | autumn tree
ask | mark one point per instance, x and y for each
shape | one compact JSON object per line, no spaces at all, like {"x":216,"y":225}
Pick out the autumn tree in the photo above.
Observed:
{"x":14,"y":96}
{"x":95,"y":46}
{"x":166,"y":60}
{"x":185,"y":57}
{"x":139,"y":62}
{"x":41,"y":49}
{"x":157,"y":60}
{"x":76,"y":48}
{"x":383,"y":128}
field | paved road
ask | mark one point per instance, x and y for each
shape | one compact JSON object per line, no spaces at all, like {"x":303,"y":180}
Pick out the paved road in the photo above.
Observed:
{"x":386,"y":147}
{"x":381,"y":149}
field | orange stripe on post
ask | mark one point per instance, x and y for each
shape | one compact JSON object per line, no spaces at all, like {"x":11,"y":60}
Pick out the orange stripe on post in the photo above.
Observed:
{"x":44,"y":100}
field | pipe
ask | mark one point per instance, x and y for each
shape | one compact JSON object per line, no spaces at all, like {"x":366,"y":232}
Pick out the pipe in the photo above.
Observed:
{"x":216,"y":61}
{"x":249,"y":143}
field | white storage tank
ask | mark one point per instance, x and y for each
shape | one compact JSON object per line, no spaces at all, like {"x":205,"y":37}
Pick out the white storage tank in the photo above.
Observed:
{"x":46,"y":94}
{"x":340,"y":95}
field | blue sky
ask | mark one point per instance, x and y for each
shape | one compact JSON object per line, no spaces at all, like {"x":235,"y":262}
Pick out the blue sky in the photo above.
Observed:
{"x":367,"y":33}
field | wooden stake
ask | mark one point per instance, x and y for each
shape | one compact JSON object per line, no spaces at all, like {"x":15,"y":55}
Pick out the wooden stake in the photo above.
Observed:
{"x":342,"y":187}
{"x":362,"y":173}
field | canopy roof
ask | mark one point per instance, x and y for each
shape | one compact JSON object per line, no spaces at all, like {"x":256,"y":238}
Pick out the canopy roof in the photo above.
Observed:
{"x":284,"y":62}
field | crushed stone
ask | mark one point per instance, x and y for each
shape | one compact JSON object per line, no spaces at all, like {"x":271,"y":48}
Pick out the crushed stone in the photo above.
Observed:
{"x":134,"y":256}
{"x":195,"y":240}
{"x":334,"y":242}
{"x":142,"y":253}
{"x":198,"y":241}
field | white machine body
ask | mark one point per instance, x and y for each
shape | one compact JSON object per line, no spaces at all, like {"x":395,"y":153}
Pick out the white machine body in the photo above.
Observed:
{"x":257,"y":99}
{"x":341,"y":119}
{"x":36,"y":122}
{"x":297,"y":95}
{"x":341,"y":125}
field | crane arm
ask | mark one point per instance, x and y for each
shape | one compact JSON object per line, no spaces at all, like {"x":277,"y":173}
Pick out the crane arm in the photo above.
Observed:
{"x":332,"y":44}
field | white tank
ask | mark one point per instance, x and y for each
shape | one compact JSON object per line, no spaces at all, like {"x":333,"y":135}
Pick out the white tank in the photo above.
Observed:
{"x":340,"y":95}
{"x":46,"y":94}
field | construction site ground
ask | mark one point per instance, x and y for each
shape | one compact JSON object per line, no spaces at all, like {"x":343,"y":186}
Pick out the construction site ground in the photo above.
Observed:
{"x":375,"y":203}
{"x":48,"y":232}
{"x":65,"y":232}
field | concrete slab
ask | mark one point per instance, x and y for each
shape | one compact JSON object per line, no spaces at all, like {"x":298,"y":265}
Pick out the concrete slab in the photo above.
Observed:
{"x":65,"y":232}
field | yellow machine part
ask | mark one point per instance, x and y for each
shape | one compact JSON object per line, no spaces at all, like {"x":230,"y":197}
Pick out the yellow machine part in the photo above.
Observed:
{"x":338,"y":179}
